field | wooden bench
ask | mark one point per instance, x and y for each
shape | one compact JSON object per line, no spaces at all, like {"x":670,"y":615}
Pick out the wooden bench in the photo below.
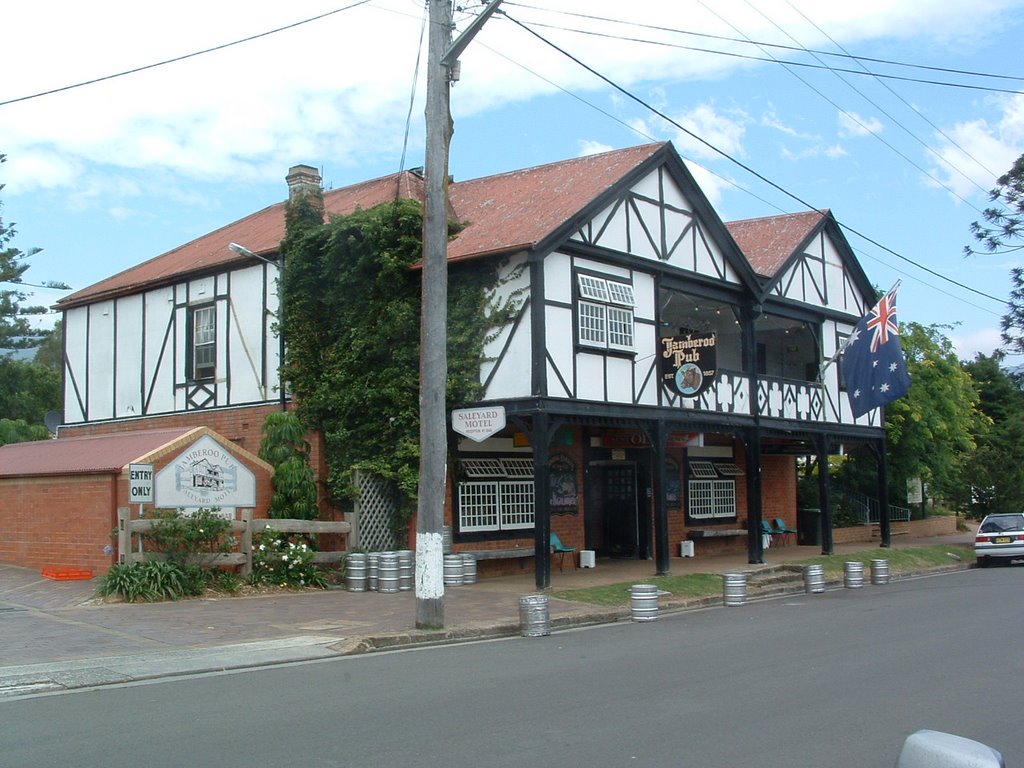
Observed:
{"x":720,"y":535}
{"x":702,"y":533}
{"x":499,"y":554}
{"x":512,"y":553}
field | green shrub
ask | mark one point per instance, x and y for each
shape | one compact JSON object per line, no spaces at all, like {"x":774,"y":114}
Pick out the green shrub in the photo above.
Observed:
{"x":153,"y":580}
{"x":180,"y":537}
{"x":284,"y":561}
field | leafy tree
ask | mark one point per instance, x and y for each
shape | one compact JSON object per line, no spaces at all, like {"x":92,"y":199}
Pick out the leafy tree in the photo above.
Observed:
{"x":284,"y":446}
{"x":50,"y":350}
{"x":20,"y":431}
{"x":15,"y":330}
{"x":932,"y":430}
{"x":28,"y":390}
{"x":1003,"y":232}
{"x":996,"y":470}
{"x":352,"y":320}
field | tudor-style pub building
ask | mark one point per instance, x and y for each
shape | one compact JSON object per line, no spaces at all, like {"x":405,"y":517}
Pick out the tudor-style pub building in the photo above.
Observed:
{"x":658,"y":380}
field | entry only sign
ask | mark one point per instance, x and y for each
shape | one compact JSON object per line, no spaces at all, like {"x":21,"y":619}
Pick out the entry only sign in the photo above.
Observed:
{"x":140,"y":482}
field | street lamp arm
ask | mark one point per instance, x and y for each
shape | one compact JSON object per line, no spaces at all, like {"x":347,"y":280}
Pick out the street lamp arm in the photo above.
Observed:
{"x":241,"y":250}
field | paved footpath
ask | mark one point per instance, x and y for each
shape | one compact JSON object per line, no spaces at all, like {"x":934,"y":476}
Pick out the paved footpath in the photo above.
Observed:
{"x":55,"y":635}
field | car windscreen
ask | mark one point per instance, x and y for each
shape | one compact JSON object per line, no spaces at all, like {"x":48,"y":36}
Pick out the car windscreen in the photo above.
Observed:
{"x":1002,"y":523}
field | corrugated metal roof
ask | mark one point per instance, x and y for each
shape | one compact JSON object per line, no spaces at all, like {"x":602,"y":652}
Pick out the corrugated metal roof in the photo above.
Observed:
{"x":501,"y":214}
{"x":97,"y":454}
{"x":769,"y":242}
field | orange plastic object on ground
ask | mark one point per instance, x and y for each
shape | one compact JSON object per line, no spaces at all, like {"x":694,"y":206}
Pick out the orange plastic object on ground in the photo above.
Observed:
{"x":65,"y":573}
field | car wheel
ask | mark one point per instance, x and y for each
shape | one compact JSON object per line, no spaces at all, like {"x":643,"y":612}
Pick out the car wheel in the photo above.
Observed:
{"x":982,"y":562}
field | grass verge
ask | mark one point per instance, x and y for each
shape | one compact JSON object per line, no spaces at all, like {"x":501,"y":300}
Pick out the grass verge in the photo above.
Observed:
{"x":695,"y":585}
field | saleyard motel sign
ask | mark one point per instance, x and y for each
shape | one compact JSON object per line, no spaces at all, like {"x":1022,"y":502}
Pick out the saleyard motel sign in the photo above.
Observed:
{"x":478,"y":423}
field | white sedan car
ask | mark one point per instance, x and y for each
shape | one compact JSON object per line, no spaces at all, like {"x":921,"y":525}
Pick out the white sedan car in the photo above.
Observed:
{"x":1000,"y":537}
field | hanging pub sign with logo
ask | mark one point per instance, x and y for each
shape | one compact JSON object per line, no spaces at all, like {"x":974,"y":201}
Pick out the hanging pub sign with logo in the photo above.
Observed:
{"x":689,"y":362}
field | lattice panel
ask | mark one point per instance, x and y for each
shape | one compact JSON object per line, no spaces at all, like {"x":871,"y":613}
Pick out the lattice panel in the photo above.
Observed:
{"x":375,"y":509}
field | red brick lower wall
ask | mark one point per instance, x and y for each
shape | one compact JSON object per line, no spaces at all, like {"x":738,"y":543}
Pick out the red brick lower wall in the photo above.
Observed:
{"x":938,"y":525}
{"x":242,"y":426}
{"x":58,"y":521}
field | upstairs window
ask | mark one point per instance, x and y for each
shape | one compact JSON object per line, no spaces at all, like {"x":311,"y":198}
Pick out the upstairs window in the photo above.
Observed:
{"x":605,"y":313}
{"x":204,"y":342}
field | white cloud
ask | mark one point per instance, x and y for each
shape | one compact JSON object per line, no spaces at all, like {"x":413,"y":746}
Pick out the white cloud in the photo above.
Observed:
{"x":715,"y":128}
{"x":593,"y":148}
{"x":977,"y":152}
{"x":853,"y":125}
{"x":983,"y":341}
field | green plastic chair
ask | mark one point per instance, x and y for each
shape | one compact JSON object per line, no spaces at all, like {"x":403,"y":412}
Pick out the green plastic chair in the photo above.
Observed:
{"x":558,"y":548}
{"x":782,"y":529}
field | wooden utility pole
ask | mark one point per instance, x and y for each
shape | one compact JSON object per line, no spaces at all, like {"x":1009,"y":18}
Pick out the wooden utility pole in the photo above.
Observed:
{"x":441,"y":60}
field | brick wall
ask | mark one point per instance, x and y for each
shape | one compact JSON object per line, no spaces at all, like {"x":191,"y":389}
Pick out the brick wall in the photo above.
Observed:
{"x":58,"y":521}
{"x":242,"y":426}
{"x":70,"y":519}
{"x":939,"y":525}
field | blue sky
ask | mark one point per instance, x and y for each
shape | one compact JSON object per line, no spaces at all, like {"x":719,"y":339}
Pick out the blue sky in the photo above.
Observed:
{"x":107,"y":175}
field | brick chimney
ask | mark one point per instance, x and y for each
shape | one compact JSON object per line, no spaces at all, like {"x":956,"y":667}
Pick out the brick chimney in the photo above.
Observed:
{"x":303,"y":180}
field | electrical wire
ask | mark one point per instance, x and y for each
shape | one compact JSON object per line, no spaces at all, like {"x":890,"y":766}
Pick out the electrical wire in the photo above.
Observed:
{"x":797,"y":49}
{"x":739,"y":163}
{"x":895,"y":121}
{"x":852,"y":117}
{"x":184,"y":57}
{"x":412,"y":93}
{"x":908,"y":105}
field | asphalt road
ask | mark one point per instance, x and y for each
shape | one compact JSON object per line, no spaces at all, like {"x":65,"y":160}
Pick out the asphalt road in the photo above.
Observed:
{"x":809,"y":680}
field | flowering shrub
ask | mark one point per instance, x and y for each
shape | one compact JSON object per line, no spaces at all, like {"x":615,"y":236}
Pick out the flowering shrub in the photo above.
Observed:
{"x":285,"y":562}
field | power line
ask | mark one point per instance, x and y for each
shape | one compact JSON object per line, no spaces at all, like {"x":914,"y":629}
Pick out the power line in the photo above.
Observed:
{"x":909,"y":106}
{"x":852,"y":117}
{"x":803,"y":64}
{"x":748,"y":41}
{"x":739,"y":163}
{"x":184,"y":57}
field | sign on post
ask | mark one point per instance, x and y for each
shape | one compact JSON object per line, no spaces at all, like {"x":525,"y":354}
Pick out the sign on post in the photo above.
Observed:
{"x":478,"y":423}
{"x":140,"y":481}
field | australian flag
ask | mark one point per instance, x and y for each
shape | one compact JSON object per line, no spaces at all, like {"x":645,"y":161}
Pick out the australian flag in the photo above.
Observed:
{"x":873,"y":363}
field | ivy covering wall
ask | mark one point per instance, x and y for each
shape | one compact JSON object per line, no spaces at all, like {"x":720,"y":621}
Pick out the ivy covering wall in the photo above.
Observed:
{"x":352,"y":320}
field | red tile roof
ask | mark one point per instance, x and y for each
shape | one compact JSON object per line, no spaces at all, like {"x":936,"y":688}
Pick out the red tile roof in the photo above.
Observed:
{"x":502,"y":213}
{"x":517,"y":210}
{"x":98,"y":454}
{"x":769,"y":242}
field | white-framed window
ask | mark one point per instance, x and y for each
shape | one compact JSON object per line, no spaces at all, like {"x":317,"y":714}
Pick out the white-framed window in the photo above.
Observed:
{"x":500,"y":497}
{"x":711,"y":499}
{"x":203,"y":352}
{"x":604,"y":313}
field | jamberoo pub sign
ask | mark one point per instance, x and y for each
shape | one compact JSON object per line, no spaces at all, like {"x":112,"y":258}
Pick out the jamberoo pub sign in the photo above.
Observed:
{"x":689,"y":362}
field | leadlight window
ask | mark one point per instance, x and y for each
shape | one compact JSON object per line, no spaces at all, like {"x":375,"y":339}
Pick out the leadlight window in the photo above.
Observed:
{"x":204,"y":342}
{"x":500,"y":497}
{"x":711,"y":499}
{"x":605,"y":313}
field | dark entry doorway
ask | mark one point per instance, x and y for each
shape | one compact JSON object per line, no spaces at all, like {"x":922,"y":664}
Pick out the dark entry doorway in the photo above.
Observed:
{"x":612,"y":521}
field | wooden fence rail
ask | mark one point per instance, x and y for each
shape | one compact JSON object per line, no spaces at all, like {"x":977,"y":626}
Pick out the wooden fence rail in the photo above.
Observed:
{"x":244,"y":529}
